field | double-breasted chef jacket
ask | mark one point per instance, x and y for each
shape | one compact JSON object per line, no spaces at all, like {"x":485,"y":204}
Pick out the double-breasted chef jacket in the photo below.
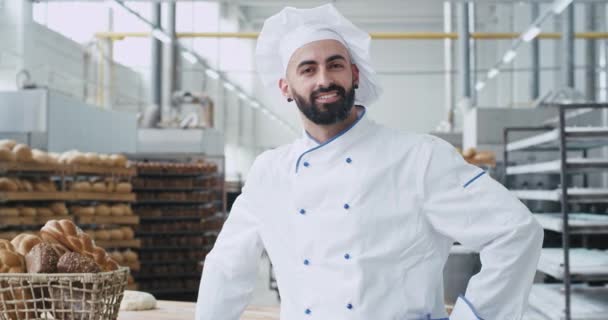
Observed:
{"x":360,"y":227}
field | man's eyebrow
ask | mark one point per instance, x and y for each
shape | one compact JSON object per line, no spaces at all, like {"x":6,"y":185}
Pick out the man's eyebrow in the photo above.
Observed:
{"x":306,"y":62}
{"x":335,"y":57}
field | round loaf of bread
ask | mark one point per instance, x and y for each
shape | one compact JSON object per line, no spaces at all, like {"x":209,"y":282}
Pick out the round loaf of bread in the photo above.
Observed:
{"x":92,"y":158}
{"x":59,"y":208}
{"x":83,"y":211}
{"x":6,"y":245}
{"x":102,"y":235}
{"x":74,"y":262}
{"x":27,"y":212}
{"x":128,"y":233}
{"x":117,"y":210}
{"x":124,"y":187}
{"x":137,"y":301}
{"x":118,"y":160}
{"x":102,"y":210}
{"x":7,"y":144}
{"x":23,"y":153}
{"x":6,"y":155}
{"x":11,"y":262}
{"x":26,"y":185}
{"x":105,"y":160}
{"x":40,"y":156}
{"x":82,"y":186}
{"x":44,"y":212}
{"x":42,"y":258}
{"x":116,"y":234}
{"x":117,"y":256}
{"x":9,"y":212}
{"x":130,"y":256}
{"x":7,"y":184}
{"x":24,"y":242}
{"x":99,"y":186}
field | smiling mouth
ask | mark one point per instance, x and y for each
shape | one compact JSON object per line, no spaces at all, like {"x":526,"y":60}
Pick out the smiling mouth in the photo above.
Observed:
{"x":327,"y":97}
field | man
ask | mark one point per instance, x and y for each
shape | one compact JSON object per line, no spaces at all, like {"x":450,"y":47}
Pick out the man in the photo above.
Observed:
{"x":357,"y":219}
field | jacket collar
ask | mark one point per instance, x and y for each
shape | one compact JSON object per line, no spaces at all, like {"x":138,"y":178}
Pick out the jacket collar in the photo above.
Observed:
{"x":335,"y":146}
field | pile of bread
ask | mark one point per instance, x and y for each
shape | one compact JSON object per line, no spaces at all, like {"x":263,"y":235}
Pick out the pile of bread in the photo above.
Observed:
{"x":114,"y":234}
{"x":176,"y":168}
{"x":61,"y":248}
{"x":11,"y":151}
{"x":478,"y":157}
{"x":52,"y":210}
{"x":26,"y":185}
{"x":126,"y":258}
{"x":100,"y":185}
{"x":102,"y":210}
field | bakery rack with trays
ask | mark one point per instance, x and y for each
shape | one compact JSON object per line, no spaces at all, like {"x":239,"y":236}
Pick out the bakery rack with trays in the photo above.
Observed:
{"x":181,"y":207}
{"x":63,"y":177}
{"x":573,"y":209}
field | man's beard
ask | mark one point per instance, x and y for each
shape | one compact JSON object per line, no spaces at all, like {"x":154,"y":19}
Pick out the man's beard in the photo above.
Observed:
{"x":327,"y":113}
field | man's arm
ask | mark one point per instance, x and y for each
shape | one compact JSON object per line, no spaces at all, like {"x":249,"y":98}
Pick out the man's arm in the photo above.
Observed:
{"x":466,"y":205}
{"x":230,"y":271}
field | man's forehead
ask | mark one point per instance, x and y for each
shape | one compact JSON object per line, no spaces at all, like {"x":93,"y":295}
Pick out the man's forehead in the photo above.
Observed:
{"x":318,"y":51}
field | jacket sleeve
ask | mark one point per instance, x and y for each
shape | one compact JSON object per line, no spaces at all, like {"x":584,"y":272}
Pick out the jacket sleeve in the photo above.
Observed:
{"x":463,"y":203}
{"x":230,"y":270}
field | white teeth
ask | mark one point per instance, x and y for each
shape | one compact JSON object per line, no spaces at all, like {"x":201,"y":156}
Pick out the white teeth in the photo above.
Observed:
{"x":327,"y":96}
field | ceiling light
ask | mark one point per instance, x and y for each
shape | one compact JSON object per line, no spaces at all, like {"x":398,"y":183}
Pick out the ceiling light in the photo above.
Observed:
{"x":480,"y":85}
{"x":559,"y":5}
{"x":531,"y":33}
{"x":509,"y":56}
{"x":493,"y":73}
{"x":212,"y":73}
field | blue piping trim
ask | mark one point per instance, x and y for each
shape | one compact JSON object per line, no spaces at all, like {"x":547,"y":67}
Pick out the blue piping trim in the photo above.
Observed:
{"x":470,"y":306}
{"x":475,"y":178}
{"x":330,"y":140}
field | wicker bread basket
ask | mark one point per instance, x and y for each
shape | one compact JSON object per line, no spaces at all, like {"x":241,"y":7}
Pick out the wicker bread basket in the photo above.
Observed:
{"x":74,"y":296}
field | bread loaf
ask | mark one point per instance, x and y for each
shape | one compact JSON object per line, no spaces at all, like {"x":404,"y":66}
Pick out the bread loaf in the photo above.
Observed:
{"x":6,"y":155}
{"x":24,"y":242}
{"x":102,"y":235}
{"x":118,"y":160}
{"x":130,"y":256}
{"x":9,"y":185}
{"x":22,"y":153}
{"x":45,"y":186}
{"x":92,"y":159}
{"x":73,"y":262}
{"x":128,"y":233}
{"x":42,"y":258}
{"x":82,"y":186}
{"x":105,"y":160}
{"x":116,"y":234}
{"x":6,"y":245}
{"x":102,"y":210}
{"x":9,"y":212}
{"x":11,"y":262}
{"x":40,"y":156}
{"x":44,"y":212}
{"x":117,"y":210}
{"x":26,"y":186}
{"x":83,"y":211}
{"x":27,"y":212}
{"x":7,"y":144}
{"x":59,"y":208}
{"x":99,"y":186}
{"x":124,"y":187}
{"x":117,"y":256}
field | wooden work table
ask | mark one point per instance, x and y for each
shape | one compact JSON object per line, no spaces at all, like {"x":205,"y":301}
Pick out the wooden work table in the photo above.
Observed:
{"x":173,"y":310}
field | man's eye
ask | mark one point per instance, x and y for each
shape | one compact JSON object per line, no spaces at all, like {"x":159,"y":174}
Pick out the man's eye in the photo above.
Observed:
{"x":307,"y":70}
{"x":336,"y":66}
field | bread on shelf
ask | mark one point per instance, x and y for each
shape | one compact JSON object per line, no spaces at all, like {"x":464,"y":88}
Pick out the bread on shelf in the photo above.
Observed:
{"x":8,"y":184}
{"x":6,"y":155}
{"x":8,"y":144}
{"x":22,"y":153}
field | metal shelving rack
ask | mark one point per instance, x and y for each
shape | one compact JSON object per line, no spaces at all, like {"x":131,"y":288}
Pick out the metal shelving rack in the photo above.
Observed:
{"x":579,"y":301}
{"x":149,"y":275}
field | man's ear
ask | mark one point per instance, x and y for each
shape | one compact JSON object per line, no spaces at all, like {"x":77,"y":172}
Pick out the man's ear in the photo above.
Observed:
{"x":355,"y":74}
{"x":284,"y":86}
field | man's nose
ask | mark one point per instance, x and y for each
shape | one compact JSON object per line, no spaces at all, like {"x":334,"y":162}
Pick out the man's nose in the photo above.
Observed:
{"x":324,"y":79}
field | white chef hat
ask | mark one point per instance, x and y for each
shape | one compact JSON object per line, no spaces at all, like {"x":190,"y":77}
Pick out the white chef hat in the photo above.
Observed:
{"x":293,"y":28}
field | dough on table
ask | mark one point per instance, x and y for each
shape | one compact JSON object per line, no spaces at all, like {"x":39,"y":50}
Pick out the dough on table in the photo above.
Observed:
{"x":137,"y":301}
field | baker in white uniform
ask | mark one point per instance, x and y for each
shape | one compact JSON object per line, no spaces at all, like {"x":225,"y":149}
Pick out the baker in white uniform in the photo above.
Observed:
{"x":358,"y":219}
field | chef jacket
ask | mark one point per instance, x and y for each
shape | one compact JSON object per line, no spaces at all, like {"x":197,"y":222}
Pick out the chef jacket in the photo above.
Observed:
{"x":360,"y":227}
